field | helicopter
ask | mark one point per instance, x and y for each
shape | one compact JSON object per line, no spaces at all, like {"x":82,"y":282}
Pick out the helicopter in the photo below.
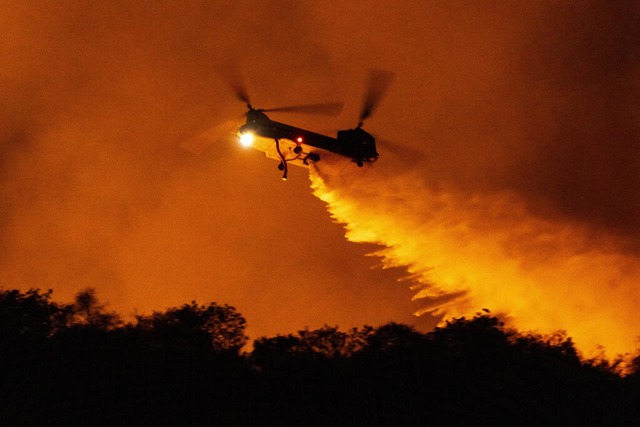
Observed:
{"x":293,"y":145}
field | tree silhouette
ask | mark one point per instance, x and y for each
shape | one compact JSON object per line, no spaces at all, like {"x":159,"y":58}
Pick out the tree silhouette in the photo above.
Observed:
{"x":29,"y":317}
{"x":394,"y":337}
{"x":219,"y":328}
{"x":80,"y":364}
{"x":90,"y":313}
{"x":285,"y":353}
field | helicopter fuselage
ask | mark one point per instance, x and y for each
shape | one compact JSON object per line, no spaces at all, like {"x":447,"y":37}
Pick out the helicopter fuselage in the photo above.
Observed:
{"x":291,"y":144}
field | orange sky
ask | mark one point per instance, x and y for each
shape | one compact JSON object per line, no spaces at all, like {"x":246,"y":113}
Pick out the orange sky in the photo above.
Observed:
{"x":536,"y":104}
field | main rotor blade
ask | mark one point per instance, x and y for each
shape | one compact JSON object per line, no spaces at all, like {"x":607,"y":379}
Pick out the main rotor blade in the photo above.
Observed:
{"x":377,"y":84}
{"x":241,"y":92}
{"x":325,"y":109}
{"x":215,"y":135}
{"x":229,"y":70}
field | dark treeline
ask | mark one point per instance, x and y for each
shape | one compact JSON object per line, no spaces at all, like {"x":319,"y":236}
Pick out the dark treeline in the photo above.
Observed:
{"x":80,"y":364}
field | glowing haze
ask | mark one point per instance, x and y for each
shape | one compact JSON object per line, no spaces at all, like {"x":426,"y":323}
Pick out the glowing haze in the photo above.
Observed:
{"x":508,"y":176}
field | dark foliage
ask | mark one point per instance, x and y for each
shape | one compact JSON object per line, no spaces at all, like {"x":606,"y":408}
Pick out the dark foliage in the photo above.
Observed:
{"x":193,"y":327}
{"x":80,"y":364}
{"x":29,"y":318}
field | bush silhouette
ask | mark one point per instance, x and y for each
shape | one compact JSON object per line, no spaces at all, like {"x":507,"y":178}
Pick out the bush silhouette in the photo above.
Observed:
{"x":79,"y":363}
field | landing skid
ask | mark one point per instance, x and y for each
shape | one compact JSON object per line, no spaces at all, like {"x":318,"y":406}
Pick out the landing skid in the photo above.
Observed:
{"x":283,"y":162}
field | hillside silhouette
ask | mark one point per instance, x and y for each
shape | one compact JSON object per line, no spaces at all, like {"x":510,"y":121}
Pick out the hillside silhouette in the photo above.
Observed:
{"x":81,"y":364}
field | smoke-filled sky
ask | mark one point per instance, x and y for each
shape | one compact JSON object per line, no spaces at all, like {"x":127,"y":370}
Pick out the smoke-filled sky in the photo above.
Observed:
{"x":508,"y":176}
